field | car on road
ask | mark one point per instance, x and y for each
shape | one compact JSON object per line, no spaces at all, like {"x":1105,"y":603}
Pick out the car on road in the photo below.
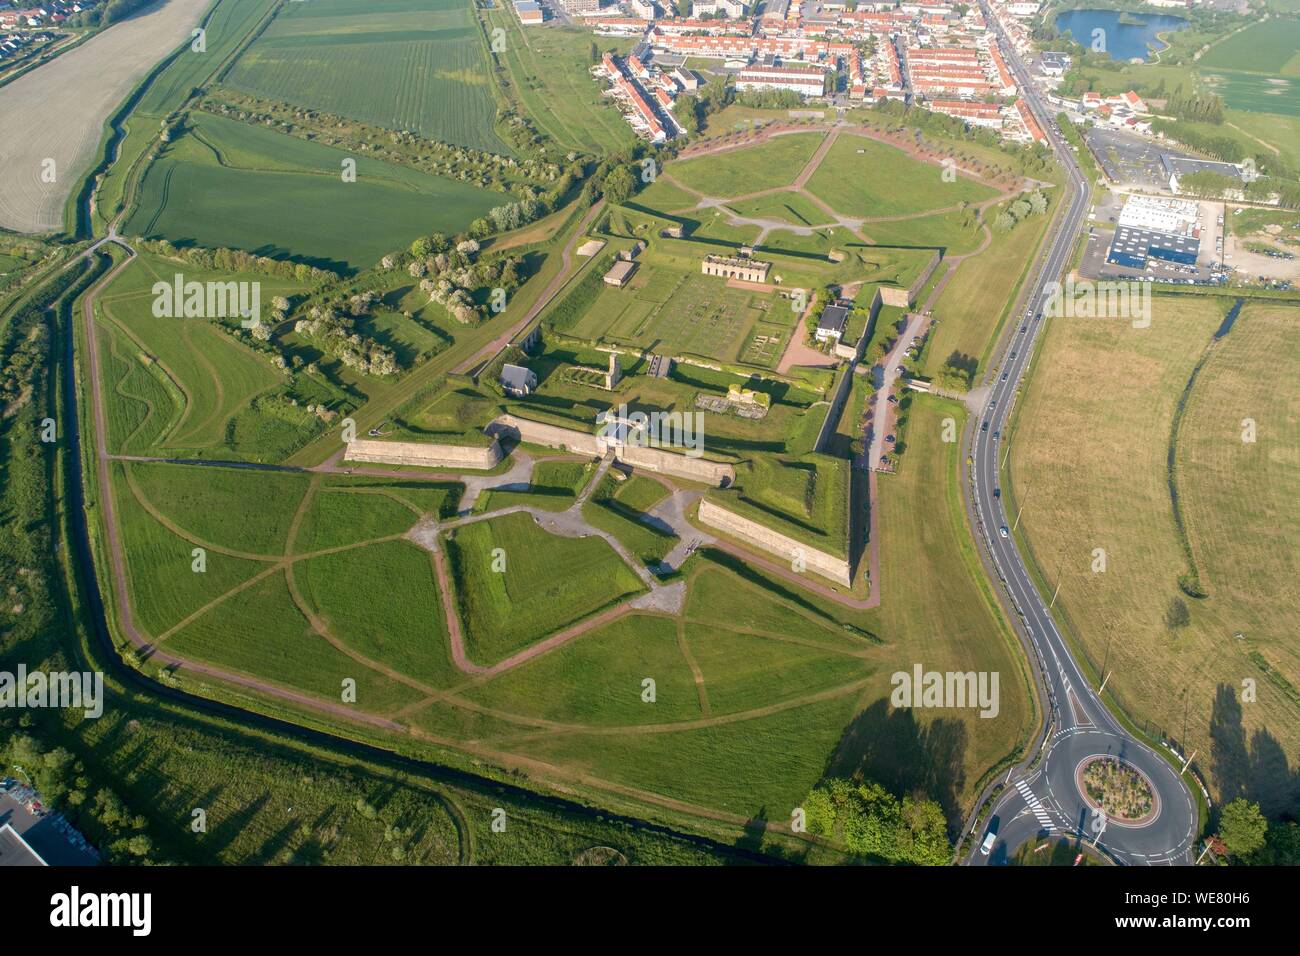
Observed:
{"x":1005,"y":376}
{"x":1004,"y":531}
{"x":985,"y":427}
{"x":1023,"y":329}
{"x":990,"y":838}
{"x":997,"y":492}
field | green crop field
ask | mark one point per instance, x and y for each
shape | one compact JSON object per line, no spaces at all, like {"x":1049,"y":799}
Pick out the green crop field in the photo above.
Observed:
{"x":504,"y":612}
{"x":861,"y":177}
{"x":1272,"y":47}
{"x":546,"y":73}
{"x":231,"y":21}
{"x":229,"y":184}
{"x":739,"y":172}
{"x":1111,"y":391}
{"x":418,"y":65}
{"x":1256,"y":92}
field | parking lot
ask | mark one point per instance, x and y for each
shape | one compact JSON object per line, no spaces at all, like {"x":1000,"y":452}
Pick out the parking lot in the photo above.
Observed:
{"x":46,"y":831}
{"x":1129,"y":160}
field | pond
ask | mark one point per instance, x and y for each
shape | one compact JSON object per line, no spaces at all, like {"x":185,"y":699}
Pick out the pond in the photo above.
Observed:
{"x":1123,"y":40}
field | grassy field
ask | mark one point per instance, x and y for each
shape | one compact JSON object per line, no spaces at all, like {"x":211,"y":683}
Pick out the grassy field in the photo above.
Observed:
{"x":619,"y":508}
{"x":415,"y":65}
{"x":806,"y":498}
{"x":554,"y":486}
{"x":760,"y":690}
{"x":740,"y":172}
{"x":1113,"y":390}
{"x":865,"y":178}
{"x":813,"y":693}
{"x":356,"y":593}
{"x":504,"y":612}
{"x":931,"y":578}
{"x":673,"y":312}
{"x":972,"y":304}
{"x":794,"y":208}
{"x":187,"y":387}
{"x":229,"y":184}
{"x":545,"y":71}
{"x":949,"y":231}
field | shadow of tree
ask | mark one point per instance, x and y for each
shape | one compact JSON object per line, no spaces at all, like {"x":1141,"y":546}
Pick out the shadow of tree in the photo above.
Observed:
{"x":891,"y":748}
{"x":1256,"y":769}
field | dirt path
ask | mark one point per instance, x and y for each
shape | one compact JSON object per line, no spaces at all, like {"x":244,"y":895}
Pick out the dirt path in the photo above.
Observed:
{"x":116,"y":557}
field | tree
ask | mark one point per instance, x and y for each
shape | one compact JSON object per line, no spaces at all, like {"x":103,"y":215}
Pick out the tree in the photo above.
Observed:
{"x":870,"y":821}
{"x":687,"y":111}
{"x":1242,"y":827}
{"x":594,"y":53}
{"x":421,"y":247}
{"x":1281,"y":846}
{"x":620,"y":184}
{"x":1177,"y":615}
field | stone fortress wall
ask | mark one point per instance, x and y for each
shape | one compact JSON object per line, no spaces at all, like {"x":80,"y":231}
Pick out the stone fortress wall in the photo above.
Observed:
{"x":425,"y":454}
{"x":783,"y":546}
{"x":651,"y":459}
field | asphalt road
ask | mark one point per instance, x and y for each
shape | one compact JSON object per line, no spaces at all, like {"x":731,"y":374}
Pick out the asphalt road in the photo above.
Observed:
{"x":1048,"y":799}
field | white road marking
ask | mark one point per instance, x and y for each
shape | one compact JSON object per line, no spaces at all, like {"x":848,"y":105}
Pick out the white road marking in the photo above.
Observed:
{"x":1032,"y":802}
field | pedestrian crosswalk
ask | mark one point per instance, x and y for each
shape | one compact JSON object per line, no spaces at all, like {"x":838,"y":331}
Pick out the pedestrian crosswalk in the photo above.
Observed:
{"x":1032,"y":802}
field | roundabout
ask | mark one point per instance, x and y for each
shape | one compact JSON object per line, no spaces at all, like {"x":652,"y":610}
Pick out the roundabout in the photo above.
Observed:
{"x":1121,"y":791}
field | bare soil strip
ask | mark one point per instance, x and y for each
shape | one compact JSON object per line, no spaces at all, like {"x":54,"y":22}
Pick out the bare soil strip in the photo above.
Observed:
{"x":57,"y":112}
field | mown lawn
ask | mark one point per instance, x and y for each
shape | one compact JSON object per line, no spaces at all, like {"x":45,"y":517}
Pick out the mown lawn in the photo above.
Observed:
{"x":619,"y":508}
{"x":742,"y":171}
{"x":549,"y":583}
{"x":863,"y":177}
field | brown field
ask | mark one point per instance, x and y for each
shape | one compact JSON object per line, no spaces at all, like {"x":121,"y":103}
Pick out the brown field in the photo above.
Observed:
{"x":58,"y":110}
{"x":1089,"y":462}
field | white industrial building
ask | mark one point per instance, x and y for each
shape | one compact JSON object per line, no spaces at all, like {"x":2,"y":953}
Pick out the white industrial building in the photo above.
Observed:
{"x":1177,"y":217}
